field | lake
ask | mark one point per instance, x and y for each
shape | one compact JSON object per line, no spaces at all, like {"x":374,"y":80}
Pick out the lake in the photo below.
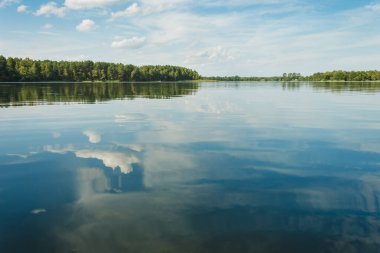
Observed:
{"x":190,"y":167}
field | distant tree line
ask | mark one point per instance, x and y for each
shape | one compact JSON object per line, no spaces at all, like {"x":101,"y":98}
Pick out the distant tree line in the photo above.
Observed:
{"x":241,"y":78}
{"x":26,"y":70}
{"x":18,"y":69}
{"x":338,"y":75}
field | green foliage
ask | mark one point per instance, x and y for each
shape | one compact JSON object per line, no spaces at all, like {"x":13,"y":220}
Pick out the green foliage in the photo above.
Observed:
{"x":17,"y":69}
{"x":239,"y":78}
{"x":338,"y":75}
{"x":3,"y":68}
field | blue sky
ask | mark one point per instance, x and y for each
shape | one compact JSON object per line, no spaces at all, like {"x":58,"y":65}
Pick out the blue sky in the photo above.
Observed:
{"x":214,"y":37}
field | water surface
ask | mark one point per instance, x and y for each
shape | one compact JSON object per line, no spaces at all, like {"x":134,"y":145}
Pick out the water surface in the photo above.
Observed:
{"x":190,"y":167}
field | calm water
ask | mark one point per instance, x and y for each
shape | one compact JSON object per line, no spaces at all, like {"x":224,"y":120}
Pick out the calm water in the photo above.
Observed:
{"x":192,"y":167}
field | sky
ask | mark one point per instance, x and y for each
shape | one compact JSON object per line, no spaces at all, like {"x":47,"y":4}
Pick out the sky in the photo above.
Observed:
{"x":214,"y":37}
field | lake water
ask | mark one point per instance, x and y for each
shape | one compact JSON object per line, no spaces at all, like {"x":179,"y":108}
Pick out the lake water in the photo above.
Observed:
{"x":190,"y":167}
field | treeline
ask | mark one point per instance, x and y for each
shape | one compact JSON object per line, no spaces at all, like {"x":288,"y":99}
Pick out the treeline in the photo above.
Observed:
{"x":241,"y":78}
{"x":338,"y":75}
{"x":25,"y":70}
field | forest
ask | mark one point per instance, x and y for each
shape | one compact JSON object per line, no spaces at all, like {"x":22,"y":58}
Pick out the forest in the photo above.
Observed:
{"x":337,"y":75}
{"x":26,"y":70}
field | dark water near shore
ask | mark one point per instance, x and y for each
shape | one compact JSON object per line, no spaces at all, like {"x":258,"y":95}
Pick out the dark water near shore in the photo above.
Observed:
{"x":190,"y":167}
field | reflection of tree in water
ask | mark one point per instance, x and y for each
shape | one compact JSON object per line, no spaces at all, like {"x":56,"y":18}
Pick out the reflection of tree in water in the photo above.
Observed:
{"x":121,"y":182}
{"x":93,"y":181}
{"x":335,"y":86}
{"x":107,"y":171}
{"x":44,"y":93}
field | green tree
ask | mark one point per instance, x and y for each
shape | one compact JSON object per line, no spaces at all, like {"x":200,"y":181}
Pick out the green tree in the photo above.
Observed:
{"x":3,"y":69}
{"x":15,"y":69}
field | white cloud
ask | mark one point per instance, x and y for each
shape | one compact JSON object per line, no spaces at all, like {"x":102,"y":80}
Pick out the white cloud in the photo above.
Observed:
{"x":22,"y":8}
{"x":161,"y":165}
{"x":110,"y":159}
{"x":88,"y":4}
{"x":49,"y":9}
{"x":177,"y":27}
{"x":130,"y":11}
{"x":86,"y":25}
{"x":212,"y":56}
{"x":80,"y":57}
{"x":38,"y":211}
{"x":216,"y":53}
{"x":93,"y":136}
{"x":130,"y":117}
{"x":19,"y":155}
{"x":150,"y":7}
{"x":210,"y":106}
{"x":134,"y":42}
{"x":218,"y":37}
{"x":374,"y":7}
{"x":47,"y":26}
{"x":134,"y":147}
{"x":5,"y":3}
{"x":58,"y":150}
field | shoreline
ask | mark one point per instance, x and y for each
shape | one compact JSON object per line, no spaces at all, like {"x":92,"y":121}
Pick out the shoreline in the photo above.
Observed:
{"x":187,"y":81}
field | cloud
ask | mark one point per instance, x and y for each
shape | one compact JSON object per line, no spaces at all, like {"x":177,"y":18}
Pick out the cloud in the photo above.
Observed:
{"x":134,"y":42}
{"x":93,"y":136}
{"x":49,"y":9}
{"x":5,"y":3}
{"x":110,"y":159}
{"x":86,"y":25}
{"x":38,"y":211}
{"x":179,"y":27}
{"x":22,"y":8}
{"x":89,"y":4}
{"x":55,"y":134}
{"x":19,"y":155}
{"x":58,"y":150}
{"x":130,"y":117}
{"x":212,"y":56}
{"x":134,"y":147}
{"x":217,"y":53}
{"x":374,"y":7}
{"x":163,"y":164}
{"x":80,"y":57}
{"x":209,"y":105}
{"x":130,"y":11}
{"x":157,"y":6}
{"x":218,"y":37}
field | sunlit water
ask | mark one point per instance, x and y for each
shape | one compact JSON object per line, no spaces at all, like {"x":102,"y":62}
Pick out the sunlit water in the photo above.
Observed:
{"x":192,"y":167}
